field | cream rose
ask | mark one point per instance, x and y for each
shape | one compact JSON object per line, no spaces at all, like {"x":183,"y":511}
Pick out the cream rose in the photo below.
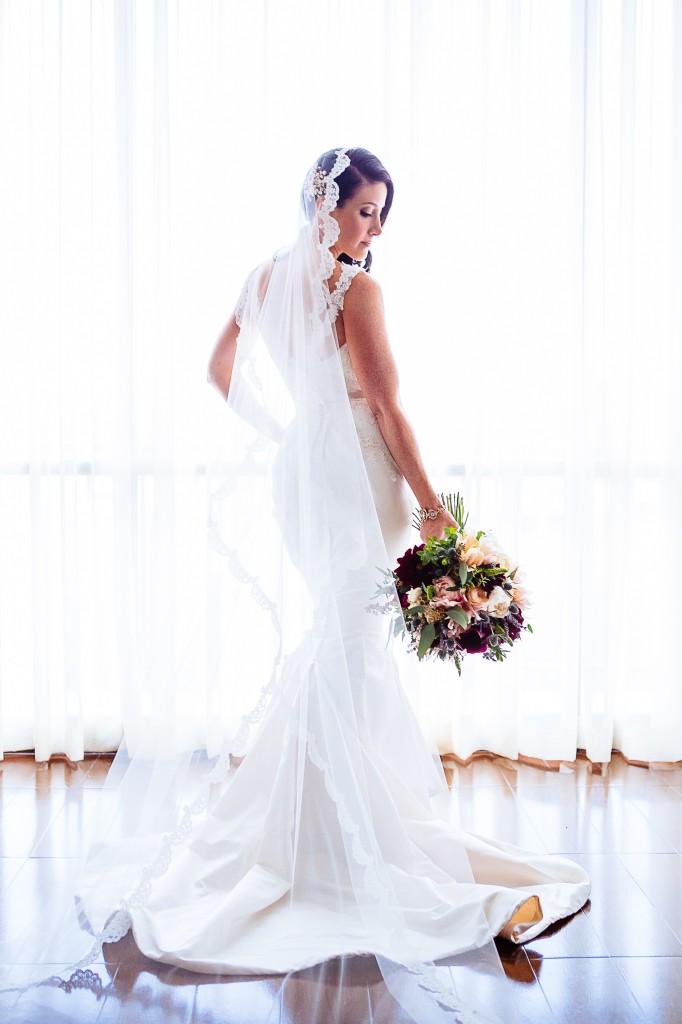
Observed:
{"x":498,"y":602}
{"x":415,"y":596}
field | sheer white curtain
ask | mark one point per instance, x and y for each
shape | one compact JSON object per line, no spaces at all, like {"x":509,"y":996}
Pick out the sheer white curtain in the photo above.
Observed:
{"x":530,"y":266}
{"x":562,"y":317}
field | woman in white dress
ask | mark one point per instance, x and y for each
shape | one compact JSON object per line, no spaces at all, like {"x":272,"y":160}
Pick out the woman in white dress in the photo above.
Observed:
{"x":388,"y":443}
{"x":305,"y":818}
{"x":327,"y":841}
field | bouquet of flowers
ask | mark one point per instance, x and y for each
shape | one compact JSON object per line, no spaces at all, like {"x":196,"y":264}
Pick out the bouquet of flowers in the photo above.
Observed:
{"x":456,"y":596}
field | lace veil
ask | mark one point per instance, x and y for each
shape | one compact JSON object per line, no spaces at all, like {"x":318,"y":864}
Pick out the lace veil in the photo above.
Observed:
{"x":281,"y":718}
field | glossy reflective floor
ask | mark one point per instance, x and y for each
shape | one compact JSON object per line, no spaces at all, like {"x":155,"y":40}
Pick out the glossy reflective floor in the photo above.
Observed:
{"x":618,"y":960}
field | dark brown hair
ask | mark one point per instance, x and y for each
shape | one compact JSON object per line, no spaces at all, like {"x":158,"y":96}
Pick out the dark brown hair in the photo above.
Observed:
{"x":364,"y":169}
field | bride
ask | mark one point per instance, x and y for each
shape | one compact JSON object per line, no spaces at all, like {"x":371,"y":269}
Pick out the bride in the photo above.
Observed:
{"x":303,"y":817}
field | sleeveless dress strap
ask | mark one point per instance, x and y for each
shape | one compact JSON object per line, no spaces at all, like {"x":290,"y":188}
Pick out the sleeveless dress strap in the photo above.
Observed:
{"x":343,"y":283}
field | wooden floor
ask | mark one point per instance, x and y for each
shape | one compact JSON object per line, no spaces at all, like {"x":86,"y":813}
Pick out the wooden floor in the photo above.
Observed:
{"x":619,"y":960}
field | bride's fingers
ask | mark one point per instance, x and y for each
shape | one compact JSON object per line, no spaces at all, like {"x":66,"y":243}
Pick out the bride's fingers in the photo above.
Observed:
{"x":432,"y":530}
{"x":436,"y":527}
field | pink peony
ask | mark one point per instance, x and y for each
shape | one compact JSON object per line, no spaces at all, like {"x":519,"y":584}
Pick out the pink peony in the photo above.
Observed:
{"x":444,"y":597}
{"x":445,"y":593}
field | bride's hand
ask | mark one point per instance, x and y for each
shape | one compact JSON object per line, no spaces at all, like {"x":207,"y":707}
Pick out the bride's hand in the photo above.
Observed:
{"x":436,"y":527}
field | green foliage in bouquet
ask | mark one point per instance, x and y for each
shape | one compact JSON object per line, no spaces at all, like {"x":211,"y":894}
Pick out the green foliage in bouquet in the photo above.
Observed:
{"x":455,"y":595}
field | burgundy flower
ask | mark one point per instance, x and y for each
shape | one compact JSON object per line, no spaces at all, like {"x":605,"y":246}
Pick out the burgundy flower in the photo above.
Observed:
{"x":475,"y":638}
{"x":410,"y":570}
{"x":494,"y":581}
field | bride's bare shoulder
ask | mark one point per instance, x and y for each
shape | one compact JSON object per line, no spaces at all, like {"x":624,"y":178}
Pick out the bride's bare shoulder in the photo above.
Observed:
{"x":364,"y":301}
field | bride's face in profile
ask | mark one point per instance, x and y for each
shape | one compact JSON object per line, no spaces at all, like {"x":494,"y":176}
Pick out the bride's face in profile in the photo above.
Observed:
{"x":359,"y":220}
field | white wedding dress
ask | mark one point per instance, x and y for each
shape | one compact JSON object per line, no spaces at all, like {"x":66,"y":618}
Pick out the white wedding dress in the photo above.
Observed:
{"x":281,"y":806}
{"x":328,"y":838}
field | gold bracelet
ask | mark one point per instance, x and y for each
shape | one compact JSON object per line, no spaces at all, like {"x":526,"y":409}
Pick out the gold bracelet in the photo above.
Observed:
{"x":429,"y":513}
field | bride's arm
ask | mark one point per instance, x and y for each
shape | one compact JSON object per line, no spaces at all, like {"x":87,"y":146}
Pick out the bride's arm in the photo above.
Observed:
{"x":221,"y":364}
{"x":372,"y":359}
{"x":220,"y":371}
